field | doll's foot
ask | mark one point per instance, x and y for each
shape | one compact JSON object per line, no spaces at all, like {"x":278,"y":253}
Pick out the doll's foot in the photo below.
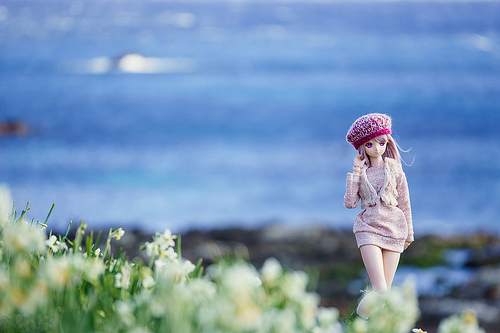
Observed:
{"x":369,"y":304}
{"x":362,"y":310}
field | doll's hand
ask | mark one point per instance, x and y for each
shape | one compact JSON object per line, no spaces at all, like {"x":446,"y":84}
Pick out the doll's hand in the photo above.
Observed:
{"x":359,"y":162}
{"x":407,"y":244}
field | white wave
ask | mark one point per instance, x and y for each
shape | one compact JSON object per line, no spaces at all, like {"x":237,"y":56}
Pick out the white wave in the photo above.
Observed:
{"x":98,"y":65}
{"x":482,"y":43}
{"x":132,"y":63}
{"x":136,"y":63}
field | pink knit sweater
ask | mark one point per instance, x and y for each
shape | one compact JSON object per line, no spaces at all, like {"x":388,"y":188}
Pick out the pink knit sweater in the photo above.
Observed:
{"x":385,"y":225}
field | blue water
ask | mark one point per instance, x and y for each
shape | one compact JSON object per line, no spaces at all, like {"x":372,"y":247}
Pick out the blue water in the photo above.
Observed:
{"x":235,"y":112}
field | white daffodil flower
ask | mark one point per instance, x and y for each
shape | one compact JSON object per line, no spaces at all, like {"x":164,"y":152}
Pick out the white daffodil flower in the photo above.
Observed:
{"x":148,"y":282}
{"x":271,"y":271}
{"x":118,"y":233}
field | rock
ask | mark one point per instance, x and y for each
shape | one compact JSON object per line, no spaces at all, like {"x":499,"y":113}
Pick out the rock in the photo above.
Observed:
{"x":485,"y":285}
{"x":14,"y":128}
{"x":433,"y":310}
{"x":279,"y":233}
{"x":487,"y":255}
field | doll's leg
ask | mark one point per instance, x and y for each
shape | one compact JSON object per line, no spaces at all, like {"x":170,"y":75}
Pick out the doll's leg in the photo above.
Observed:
{"x":374,"y":264}
{"x":391,"y":261}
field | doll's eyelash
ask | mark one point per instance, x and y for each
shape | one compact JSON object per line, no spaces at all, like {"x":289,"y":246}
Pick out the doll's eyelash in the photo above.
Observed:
{"x":369,"y":144}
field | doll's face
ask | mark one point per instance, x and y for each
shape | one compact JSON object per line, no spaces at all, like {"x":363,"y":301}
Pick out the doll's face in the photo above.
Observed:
{"x":375,"y":149}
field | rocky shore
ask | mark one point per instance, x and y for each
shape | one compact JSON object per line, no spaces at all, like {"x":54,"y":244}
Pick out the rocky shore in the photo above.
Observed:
{"x":333,"y":261}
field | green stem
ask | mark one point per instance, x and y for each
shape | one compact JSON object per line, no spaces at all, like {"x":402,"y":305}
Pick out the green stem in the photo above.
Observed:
{"x":178,"y":246}
{"x":50,"y":212}
{"x":108,"y":244}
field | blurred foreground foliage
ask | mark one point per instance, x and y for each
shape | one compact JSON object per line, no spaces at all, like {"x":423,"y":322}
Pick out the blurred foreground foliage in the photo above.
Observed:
{"x":50,"y":283}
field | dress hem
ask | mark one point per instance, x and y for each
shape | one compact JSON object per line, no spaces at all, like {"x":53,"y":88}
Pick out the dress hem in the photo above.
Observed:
{"x":384,"y":242}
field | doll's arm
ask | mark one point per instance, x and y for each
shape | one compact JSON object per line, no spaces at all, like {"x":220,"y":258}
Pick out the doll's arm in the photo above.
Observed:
{"x":404,"y":205}
{"x":351,"y":197}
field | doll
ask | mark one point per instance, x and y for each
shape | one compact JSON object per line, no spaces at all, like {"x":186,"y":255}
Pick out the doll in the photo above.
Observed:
{"x":383,"y":229}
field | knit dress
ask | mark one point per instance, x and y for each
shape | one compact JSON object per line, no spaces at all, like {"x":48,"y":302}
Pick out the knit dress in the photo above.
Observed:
{"x":385,"y":225}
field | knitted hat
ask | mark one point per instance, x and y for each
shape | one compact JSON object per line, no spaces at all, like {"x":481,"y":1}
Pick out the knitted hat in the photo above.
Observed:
{"x":368,"y":127}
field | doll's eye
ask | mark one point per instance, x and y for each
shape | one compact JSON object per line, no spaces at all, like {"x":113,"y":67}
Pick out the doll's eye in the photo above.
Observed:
{"x":382,"y":143}
{"x":368,"y":145}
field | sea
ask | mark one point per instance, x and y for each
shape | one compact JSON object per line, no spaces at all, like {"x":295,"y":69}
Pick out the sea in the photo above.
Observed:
{"x":207,"y":114}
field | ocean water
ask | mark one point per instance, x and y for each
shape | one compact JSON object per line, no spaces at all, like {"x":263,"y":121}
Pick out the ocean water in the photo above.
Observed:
{"x":207,"y":114}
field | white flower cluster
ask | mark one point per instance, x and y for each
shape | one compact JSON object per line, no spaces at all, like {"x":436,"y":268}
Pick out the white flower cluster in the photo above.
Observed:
{"x":328,"y":321}
{"x":32,"y":276}
{"x":22,"y":237}
{"x":167,"y":262}
{"x":162,"y":245}
{"x":465,"y":322}
{"x":270,"y":300}
{"x":122,"y":278}
{"x":62,"y":271}
{"x":234,"y":297}
{"x":396,"y":312}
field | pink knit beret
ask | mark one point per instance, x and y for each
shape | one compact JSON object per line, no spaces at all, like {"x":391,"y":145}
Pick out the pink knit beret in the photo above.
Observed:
{"x":368,"y":127}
